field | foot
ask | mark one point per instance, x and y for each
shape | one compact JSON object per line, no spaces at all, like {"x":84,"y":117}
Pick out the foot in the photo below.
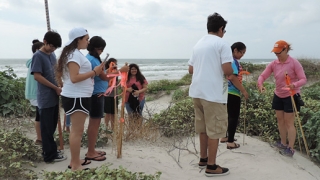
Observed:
{"x":223,"y":140}
{"x":38,"y":142}
{"x":59,"y":158}
{"x":232,"y":145}
{"x":287,"y":152}
{"x":216,"y":170}
{"x":83,"y":162}
{"x":203,"y":163}
{"x":279,"y":145}
{"x":96,"y":158}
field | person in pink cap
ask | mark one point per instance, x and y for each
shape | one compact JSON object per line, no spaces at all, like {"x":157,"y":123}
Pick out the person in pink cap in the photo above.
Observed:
{"x":284,"y":64}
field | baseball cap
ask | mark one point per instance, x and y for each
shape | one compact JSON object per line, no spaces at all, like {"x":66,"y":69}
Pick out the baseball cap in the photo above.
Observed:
{"x":75,"y":33}
{"x":279,"y":46}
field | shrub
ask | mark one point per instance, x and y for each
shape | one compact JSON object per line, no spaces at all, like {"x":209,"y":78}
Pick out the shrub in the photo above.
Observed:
{"x":177,"y":120}
{"x":17,"y":154}
{"x":100,"y":173}
{"x":12,"y":101}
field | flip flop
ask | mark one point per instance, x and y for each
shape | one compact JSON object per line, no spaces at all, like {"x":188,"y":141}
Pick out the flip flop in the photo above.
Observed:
{"x":86,"y":162}
{"x":233,"y":147}
{"x":96,"y":158}
{"x":227,"y":140}
{"x":102,"y":153}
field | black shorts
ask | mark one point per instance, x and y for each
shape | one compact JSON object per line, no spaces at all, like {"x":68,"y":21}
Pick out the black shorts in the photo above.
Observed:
{"x":70,"y":105}
{"x":37,"y":114}
{"x":109,"y":105}
{"x":97,"y":106}
{"x":285,"y":104}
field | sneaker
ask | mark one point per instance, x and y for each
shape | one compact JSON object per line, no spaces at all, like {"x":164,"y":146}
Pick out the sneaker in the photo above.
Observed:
{"x":38,"y":142}
{"x":216,"y":170}
{"x":287,"y":152}
{"x":203,"y":163}
{"x":60,"y":152}
{"x":60,"y":158}
{"x":279,"y":145}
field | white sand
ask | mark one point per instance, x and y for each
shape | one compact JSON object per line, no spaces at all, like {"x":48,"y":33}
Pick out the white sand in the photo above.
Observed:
{"x":256,"y":160}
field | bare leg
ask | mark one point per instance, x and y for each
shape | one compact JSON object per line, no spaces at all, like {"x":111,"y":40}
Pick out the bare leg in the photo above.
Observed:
{"x":77,"y":118}
{"x":112,"y":121}
{"x":282,"y":126}
{"x":106,"y":120}
{"x":212,"y":150}
{"x":203,"y":145}
{"x":38,"y":130}
{"x":93,"y":130}
{"x":289,"y":123}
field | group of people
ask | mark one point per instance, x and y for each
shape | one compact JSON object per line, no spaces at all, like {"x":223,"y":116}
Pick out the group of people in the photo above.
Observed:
{"x":216,"y":90}
{"x":81,"y":81}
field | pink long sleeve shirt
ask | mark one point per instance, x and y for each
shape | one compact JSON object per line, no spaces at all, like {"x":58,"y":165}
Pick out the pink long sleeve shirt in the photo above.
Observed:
{"x":294,"y":70}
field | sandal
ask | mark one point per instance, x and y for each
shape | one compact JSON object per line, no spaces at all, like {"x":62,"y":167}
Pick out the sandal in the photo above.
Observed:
{"x":86,"y":162}
{"x":233,"y":147}
{"x":97,"y":158}
{"x":226,"y":140}
{"x":101,"y":153}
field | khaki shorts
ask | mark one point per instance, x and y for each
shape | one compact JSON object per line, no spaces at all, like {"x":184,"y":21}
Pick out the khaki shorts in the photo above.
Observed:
{"x":210,"y":118}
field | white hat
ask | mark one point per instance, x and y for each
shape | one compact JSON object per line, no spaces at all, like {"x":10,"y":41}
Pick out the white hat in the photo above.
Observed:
{"x":75,"y":33}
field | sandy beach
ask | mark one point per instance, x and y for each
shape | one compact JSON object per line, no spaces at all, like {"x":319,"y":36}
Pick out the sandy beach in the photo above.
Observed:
{"x":253,"y":160}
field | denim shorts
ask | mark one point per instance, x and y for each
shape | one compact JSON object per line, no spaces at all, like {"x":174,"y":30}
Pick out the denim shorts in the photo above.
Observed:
{"x":97,"y":106}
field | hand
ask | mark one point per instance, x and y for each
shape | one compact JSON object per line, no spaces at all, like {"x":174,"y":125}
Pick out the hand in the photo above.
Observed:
{"x":58,"y":90}
{"x":124,"y":68}
{"x":129,"y":89}
{"x":262,"y":89}
{"x":135,"y":93}
{"x":245,"y":94}
{"x":291,"y":86}
{"x":98,"y":69}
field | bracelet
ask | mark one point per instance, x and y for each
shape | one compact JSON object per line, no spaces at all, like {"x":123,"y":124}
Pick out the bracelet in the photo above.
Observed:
{"x":95,"y":73}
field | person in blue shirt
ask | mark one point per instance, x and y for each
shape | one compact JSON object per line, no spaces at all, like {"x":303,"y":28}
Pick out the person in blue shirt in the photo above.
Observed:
{"x":42,"y":67}
{"x":95,"y":48}
{"x":235,"y":89}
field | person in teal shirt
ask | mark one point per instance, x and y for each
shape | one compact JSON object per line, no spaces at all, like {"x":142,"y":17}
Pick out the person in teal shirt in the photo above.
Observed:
{"x":235,"y":89}
{"x":31,"y":91}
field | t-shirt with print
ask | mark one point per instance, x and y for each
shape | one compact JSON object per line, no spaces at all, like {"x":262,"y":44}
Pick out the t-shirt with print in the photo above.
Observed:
{"x":100,"y":86}
{"x":236,"y":71}
{"x":80,"y":89}
{"x":44,"y":63}
{"x":139,"y":86}
{"x":208,"y":80}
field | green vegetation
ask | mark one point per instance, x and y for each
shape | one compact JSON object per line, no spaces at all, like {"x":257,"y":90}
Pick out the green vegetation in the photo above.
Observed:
{"x":12,"y":99}
{"x":101,"y":173}
{"x":256,"y":112}
{"x":17,"y":152}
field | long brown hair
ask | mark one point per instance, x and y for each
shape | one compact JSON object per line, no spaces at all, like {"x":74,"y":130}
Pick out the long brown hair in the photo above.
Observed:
{"x":62,"y":61}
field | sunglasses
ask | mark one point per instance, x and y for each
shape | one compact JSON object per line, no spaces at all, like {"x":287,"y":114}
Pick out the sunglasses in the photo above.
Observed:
{"x":280,"y":51}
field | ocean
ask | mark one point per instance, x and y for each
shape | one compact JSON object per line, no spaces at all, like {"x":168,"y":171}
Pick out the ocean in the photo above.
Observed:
{"x":152,"y":69}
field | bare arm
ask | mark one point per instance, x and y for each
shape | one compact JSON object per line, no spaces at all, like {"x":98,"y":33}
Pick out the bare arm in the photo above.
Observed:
{"x":227,"y":69}
{"x":75,"y":76}
{"x":144,"y":88}
{"x":38,"y":77}
{"x":235,"y":81}
{"x":190,"y":69}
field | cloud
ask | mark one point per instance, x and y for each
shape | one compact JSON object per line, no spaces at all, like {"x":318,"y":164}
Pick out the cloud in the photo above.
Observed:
{"x":164,"y":28}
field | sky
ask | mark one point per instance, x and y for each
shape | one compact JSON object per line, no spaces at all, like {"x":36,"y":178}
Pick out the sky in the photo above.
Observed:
{"x":163,"y":29}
